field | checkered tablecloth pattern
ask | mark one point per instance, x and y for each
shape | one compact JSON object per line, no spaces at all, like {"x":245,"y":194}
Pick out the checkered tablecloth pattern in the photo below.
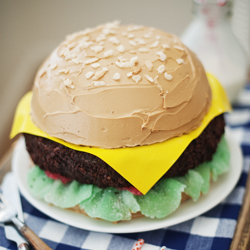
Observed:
{"x":212,"y":230}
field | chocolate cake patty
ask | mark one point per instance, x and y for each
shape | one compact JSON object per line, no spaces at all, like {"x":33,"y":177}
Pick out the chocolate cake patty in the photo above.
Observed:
{"x":89,"y":169}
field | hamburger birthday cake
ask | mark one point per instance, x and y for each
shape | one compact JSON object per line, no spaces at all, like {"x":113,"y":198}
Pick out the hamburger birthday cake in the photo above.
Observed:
{"x":123,"y":122}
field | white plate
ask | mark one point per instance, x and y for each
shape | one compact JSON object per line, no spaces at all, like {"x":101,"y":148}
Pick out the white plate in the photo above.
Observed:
{"x":187,"y":210}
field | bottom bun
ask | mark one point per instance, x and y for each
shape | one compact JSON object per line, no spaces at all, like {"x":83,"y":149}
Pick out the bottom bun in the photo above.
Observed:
{"x":115,"y":205}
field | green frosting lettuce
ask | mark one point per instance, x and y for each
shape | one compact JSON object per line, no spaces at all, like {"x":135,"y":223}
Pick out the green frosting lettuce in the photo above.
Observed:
{"x":112,"y":204}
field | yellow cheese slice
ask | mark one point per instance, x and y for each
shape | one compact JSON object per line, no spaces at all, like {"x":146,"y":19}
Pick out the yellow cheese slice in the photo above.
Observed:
{"x":142,"y":166}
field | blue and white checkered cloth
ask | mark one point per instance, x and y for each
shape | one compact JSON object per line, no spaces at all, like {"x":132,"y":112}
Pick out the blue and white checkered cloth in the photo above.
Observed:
{"x":212,"y":230}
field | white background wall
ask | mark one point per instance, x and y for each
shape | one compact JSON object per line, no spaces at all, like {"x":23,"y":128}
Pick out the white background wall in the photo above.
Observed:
{"x":29,"y":31}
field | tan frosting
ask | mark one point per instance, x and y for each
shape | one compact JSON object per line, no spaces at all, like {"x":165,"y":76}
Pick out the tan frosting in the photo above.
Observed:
{"x":143,"y":86}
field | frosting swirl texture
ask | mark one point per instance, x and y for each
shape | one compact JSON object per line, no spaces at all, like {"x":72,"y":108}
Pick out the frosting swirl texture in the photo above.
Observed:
{"x":120,"y":86}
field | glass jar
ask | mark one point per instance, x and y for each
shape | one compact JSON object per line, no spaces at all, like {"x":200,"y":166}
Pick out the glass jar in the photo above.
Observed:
{"x":210,"y":36}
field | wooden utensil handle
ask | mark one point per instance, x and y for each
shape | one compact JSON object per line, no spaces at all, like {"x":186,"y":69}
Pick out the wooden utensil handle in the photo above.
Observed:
{"x":30,"y":236}
{"x":241,"y":239}
{"x":33,"y":239}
